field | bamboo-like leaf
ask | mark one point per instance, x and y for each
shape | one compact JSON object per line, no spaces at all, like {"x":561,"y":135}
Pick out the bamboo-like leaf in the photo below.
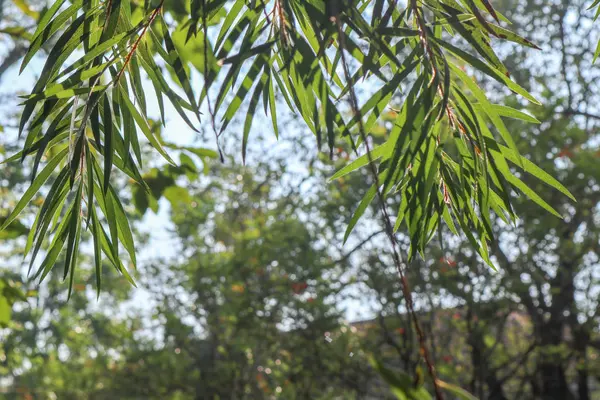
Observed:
{"x":47,"y":28}
{"x":124,"y":230}
{"x":459,"y":392}
{"x":73,"y":238}
{"x":250,"y":115}
{"x":176,"y":63}
{"x":35,"y":186}
{"x":142,"y":123}
{"x":96,"y":235}
{"x":108,"y":143}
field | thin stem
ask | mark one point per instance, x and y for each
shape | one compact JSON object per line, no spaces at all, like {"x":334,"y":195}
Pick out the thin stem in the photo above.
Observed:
{"x":138,"y":40}
{"x":406,"y":291}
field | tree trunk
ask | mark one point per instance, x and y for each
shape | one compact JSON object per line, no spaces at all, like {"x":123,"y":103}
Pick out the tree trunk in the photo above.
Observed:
{"x":552,"y":367}
{"x":496,"y":392}
{"x":583,"y":389}
{"x":554,"y":383}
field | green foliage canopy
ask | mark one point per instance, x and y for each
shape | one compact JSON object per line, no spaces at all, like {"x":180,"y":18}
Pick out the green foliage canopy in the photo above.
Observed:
{"x":449,"y":154}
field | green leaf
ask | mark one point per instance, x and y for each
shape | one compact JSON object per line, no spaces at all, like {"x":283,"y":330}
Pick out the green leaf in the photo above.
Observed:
{"x":361,"y":161}
{"x":5,"y":311}
{"x":363,"y":205}
{"x":64,"y":46}
{"x":142,"y":123}
{"x":108,"y":142}
{"x":360,"y":210}
{"x":56,"y":246}
{"x":458,"y":392}
{"x":531,"y":194}
{"x":175,"y":62}
{"x":124,"y":230}
{"x":52,"y":205}
{"x":250,"y":114}
{"x":401,"y":384}
{"x":73,"y":238}
{"x":534,"y":170}
{"x":96,"y":235}
{"x":35,"y":186}
{"x":44,"y":34}
{"x":509,"y":112}
{"x":244,"y":89}
{"x":42,"y":23}
{"x":488,"y":70}
{"x":241,"y":57}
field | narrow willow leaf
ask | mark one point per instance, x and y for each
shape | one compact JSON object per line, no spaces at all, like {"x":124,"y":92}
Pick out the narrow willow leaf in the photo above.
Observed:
{"x":36,"y":146}
{"x":361,"y":161}
{"x":124,"y":229}
{"x":142,"y":123}
{"x":485,"y":104}
{"x":235,"y":10}
{"x":44,"y":34}
{"x":272,"y":108}
{"x":136,"y":83}
{"x":108,"y":143}
{"x":52,"y":206}
{"x":59,"y":90}
{"x":244,"y":89}
{"x":96,"y":235}
{"x":73,"y":239}
{"x":47,"y":17}
{"x":51,"y":133}
{"x":35,"y":187}
{"x":64,"y":93}
{"x":457,"y":391}
{"x":534,"y":170}
{"x":55,"y":247}
{"x":54,"y":193}
{"x":129,"y":131}
{"x":176,"y":63}
{"x":360,"y":210}
{"x":64,"y":46}
{"x":362,"y":207}
{"x":250,"y":116}
{"x":488,"y":70}
{"x":241,"y":57}
{"x":597,"y":52}
{"x":532,"y":195}
{"x":113,"y":227}
{"x":380,"y":99}
{"x":108,"y":250}
{"x":161,"y":86}
{"x":509,"y":112}
{"x":45,"y":112}
{"x":111,"y":19}
{"x":98,"y":50}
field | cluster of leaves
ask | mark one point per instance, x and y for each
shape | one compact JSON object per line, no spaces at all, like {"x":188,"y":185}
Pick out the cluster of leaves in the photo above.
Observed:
{"x":447,"y":154}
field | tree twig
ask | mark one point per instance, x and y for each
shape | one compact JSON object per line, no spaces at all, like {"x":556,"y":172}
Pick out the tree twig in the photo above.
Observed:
{"x":406,"y":291}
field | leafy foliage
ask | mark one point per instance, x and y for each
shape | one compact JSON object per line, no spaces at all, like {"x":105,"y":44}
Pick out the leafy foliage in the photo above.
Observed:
{"x":448,"y":153}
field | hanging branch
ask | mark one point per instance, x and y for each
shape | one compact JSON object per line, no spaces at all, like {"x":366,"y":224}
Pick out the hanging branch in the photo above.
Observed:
{"x":389,"y":228}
